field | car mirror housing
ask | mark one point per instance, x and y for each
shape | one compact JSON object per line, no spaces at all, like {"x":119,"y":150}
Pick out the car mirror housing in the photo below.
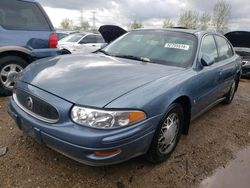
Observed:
{"x":207,"y":60}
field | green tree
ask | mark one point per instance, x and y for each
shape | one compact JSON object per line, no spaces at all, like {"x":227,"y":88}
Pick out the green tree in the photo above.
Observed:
{"x":189,"y":19}
{"x":221,"y":16}
{"x":168,"y":23}
{"x":204,"y":21}
{"x":85,"y":25}
{"x":136,"y":25}
{"x":67,"y":23}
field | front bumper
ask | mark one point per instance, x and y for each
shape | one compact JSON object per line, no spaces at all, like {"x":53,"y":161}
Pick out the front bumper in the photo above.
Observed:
{"x":246,"y":71}
{"x":80,"y":143}
{"x":245,"y":67}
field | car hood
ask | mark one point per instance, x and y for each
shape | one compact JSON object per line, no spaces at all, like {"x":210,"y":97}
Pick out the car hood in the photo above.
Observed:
{"x":239,"y":39}
{"x":93,"y":80}
{"x":111,"y":32}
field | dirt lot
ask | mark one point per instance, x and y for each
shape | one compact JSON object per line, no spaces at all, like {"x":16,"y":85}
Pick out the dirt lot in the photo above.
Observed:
{"x":213,"y":141}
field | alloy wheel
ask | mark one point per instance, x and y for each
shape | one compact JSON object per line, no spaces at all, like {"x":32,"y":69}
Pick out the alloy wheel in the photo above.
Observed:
{"x":168,"y":133}
{"x":9,"y":75}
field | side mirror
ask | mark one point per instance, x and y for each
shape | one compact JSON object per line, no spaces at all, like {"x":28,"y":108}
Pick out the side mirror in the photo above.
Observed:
{"x":207,"y":60}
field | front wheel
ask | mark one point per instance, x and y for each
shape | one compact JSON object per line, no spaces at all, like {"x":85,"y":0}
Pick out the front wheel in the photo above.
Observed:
{"x":167,"y":135}
{"x":10,"y":67}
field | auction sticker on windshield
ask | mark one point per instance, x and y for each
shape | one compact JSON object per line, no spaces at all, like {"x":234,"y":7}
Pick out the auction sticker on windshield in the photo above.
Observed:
{"x":177,"y":46}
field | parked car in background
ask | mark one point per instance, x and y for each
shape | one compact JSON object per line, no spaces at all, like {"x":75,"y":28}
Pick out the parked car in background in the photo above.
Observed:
{"x":26,"y":34}
{"x":61,"y":35}
{"x":64,"y":33}
{"x":81,"y":43}
{"x":134,"y":97}
{"x":241,"y":43}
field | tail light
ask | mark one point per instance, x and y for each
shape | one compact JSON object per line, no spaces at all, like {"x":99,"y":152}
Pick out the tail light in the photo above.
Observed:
{"x":53,"y":40}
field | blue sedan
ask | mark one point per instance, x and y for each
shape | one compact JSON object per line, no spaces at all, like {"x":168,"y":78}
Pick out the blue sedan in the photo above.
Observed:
{"x":136,"y":96}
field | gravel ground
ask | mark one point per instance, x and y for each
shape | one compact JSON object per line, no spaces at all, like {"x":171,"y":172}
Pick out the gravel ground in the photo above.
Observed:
{"x":213,"y":140}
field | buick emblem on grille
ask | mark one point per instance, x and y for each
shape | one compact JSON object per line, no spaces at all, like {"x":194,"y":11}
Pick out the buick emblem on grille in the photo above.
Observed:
{"x":29,"y":103}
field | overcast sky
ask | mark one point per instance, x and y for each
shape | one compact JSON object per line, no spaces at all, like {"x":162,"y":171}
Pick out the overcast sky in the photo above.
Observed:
{"x":150,"y":12}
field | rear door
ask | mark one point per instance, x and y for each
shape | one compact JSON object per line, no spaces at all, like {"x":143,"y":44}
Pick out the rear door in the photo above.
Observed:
{"x":24,"y":23}
{"x":227,"y":64}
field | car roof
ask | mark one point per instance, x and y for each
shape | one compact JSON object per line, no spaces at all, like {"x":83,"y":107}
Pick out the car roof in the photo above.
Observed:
{"x":191,"y":31}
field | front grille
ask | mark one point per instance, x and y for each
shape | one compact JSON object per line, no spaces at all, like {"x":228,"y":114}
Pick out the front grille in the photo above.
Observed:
{"x":35,"y":106}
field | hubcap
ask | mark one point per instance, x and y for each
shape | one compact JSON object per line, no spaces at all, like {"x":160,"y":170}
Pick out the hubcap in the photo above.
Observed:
{"x":232,"y":91}
{"x":168,"y":134}
{"x":9,"y":75}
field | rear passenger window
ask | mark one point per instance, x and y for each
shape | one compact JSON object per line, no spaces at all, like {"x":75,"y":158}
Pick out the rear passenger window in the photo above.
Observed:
{"x":208,"y":46}
{"x":88,"y":39}
{"x":100,"y":39}
{"x":21,"y":15}
{"x":225,"y":50}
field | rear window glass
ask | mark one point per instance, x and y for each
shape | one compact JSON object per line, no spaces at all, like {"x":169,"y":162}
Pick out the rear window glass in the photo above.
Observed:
{"x":20,"y":15}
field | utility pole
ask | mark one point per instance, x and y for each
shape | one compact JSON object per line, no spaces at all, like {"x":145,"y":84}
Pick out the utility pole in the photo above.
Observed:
{"x":81,"y":18}
{"x":94,"y":19}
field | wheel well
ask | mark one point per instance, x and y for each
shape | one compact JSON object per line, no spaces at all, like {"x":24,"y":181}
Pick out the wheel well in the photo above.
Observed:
{"x":65,"y":51}
{"x":184,"y":101}
{"x":25,"y":56}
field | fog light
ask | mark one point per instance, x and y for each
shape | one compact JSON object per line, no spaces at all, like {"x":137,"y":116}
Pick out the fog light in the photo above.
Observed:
{"x":108,"y":153}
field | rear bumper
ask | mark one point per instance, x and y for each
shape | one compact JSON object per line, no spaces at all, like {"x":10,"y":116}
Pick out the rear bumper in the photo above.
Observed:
{"x":80,"y":143}
{"x":43,"y":53}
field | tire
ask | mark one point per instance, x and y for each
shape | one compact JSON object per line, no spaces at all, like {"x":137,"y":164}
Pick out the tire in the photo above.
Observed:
{"x":156,"y":153}
{"x":10,"y":66}
{"x":65,"y":52}
{"x":230,"y":95}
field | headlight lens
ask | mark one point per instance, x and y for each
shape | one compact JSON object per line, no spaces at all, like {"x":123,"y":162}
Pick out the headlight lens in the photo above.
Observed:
{"x":105,"y":119}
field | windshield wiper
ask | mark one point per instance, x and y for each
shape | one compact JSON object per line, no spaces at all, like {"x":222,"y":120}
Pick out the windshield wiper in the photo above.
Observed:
{"x":143,"y":59}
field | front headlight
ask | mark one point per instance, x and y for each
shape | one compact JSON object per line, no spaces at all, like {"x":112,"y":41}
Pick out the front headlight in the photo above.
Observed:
{"x":105,"y":119}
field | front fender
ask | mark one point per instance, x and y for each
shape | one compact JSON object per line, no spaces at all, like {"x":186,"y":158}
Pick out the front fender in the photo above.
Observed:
{"x":155,"y":97}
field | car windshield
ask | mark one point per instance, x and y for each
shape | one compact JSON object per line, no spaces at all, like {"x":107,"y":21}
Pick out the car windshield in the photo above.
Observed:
{"x":73,"y":38}
{"x":155,"y":46}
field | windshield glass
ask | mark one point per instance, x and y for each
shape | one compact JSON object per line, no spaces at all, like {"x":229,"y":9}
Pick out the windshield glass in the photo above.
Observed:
{"x":73,"y":38}
{"x":163,"y":47}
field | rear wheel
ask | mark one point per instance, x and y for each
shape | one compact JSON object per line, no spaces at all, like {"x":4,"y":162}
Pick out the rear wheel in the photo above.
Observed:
{"x":167,"y":135}
{"x":10,"y":68}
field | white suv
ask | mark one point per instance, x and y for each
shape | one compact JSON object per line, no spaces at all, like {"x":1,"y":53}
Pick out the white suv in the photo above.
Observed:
{"x":81,"y":43}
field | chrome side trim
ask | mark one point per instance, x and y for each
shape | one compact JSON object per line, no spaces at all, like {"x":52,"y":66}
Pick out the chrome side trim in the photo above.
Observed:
{"x":51,"y":121}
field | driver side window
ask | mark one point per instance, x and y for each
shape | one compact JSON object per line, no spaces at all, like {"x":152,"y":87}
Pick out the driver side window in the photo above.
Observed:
{"x":208,"y":47}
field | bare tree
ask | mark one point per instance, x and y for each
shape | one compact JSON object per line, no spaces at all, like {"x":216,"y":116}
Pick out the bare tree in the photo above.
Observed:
{"x":136,"y":25}
{"x":168,"y":23}
{"x":189,"y":19}
{"x":205,"y":19}
{"x":222,"y":12}
{"x":67,"y":23}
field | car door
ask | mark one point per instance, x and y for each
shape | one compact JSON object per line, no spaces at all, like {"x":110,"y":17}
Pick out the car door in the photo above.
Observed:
{"x":88,"y":44}
{"x":207,"y":77}
{"x":227,"y":62}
